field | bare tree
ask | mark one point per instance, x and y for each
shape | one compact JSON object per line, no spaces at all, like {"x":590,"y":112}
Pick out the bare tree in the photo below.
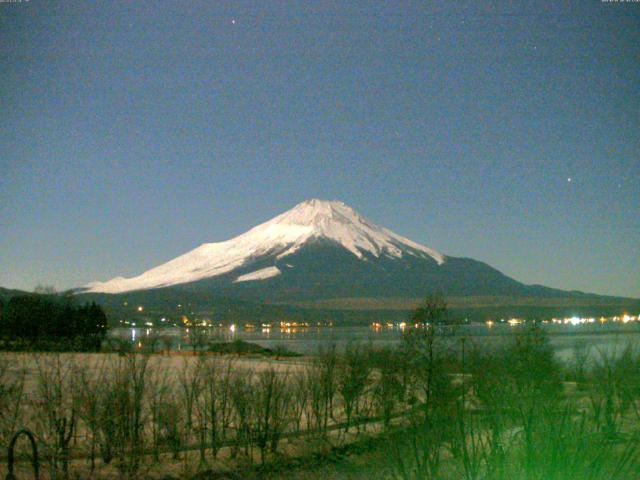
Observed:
{"x":316,"y":407}
{"x":159,"y":390}
{"x":217,"y":401}
{"x":352,"y":377}
{"x":243,"y":420}
{"x":12,"y":383}
{"x":272,"y":402}
{"x":326,"y":363}
{"x":57,"y":408}
{"x":424,"y":345}
{"x":122,"y":414}
{"x":198,"y":337}
{"x":388,"y":389}
{"x":90,"y":389}
{"x":190,"y":384}
{"x":300,"y":392}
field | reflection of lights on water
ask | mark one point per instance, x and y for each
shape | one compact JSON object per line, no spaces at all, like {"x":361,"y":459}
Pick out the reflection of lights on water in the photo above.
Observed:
{"x":289,"y":329}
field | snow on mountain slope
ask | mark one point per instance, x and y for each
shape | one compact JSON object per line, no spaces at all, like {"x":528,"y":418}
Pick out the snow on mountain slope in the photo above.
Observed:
{"x":261,"y":274}
{"x":280,"y":236}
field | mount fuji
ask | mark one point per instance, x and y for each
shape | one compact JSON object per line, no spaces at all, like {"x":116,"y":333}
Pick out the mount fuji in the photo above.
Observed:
{"x":318,"y":251}
{"x":306,"y":225}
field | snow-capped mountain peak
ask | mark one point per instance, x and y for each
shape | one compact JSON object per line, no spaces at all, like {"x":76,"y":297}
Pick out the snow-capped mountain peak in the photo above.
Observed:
{"x":316,"y":212}
{"x":280,"y":236}
{"x":337,"y":221}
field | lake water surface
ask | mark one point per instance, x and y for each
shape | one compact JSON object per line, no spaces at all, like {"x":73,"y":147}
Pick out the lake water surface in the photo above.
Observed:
{"x":608,"y":338}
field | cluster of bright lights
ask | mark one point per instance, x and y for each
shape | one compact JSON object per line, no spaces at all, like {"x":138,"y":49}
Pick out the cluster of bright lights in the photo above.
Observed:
{"x":377,"y":326}
{"x":627,"y":318}
{"x":582,"y":320}
{"x":575,"y":320}
{"x":188,"y":321}
{"x":293,"y":324}
{"x":287,"y":326}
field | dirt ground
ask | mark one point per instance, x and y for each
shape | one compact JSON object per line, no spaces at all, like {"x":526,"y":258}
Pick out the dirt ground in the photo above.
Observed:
{"x":27,"y":362}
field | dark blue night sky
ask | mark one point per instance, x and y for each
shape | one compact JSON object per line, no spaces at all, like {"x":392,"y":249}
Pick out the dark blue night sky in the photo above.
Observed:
{"x":131,"y":132}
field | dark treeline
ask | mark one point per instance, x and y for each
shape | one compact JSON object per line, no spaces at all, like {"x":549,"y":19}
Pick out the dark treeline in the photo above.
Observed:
{"x":50,"y":321}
